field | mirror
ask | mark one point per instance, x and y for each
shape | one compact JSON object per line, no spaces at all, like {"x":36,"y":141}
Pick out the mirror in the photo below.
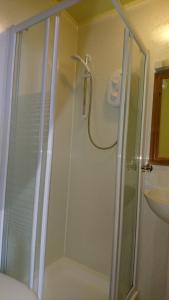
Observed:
{"x":159,"y":149}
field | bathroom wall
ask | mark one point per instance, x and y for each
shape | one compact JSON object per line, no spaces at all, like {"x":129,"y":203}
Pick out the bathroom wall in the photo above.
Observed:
{"x":92,"y":185}
{"x":14,"y":12}
{"x":150,"y":19}
{"x":62,"y":139}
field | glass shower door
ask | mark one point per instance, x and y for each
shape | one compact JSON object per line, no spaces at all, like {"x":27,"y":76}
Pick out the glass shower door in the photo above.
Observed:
{"x":130,"y":171}
{"x":23,"y":153}
{"x":30,"y":153}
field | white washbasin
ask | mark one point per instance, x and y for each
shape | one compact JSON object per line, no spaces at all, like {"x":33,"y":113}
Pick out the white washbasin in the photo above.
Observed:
{"x":11,"y":289}
{"x":158,"y":200}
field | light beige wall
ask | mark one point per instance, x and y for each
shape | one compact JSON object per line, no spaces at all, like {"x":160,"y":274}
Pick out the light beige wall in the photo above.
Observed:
{"x":92,"y":186}
{"x":14,"y":12}
{"x":62,"y":140}
{"x":148,"y":19}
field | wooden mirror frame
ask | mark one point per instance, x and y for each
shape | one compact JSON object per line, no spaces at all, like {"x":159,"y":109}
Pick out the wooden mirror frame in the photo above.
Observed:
{"x":155,"y":127}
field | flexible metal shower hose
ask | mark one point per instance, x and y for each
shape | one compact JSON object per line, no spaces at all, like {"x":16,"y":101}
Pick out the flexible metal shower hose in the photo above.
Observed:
{"x":89,"y":120}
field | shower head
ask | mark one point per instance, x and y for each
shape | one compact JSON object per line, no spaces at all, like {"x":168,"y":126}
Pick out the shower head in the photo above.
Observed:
{"x":84,"y":62}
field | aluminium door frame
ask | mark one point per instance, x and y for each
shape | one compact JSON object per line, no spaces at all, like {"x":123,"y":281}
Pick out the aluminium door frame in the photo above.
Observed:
{"x":119,"y":178}
{"x":48,"y":161}
{"x":119,"y":175}
{"x":118,"y":213}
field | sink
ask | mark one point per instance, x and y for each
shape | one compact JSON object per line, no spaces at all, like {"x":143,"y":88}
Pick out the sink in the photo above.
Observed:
{"x":158,"y":200}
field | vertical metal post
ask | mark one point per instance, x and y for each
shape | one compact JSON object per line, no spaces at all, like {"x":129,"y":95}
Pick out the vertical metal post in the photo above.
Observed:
{"x":119,"y":9}
{"x":48,"y":162}
{"x":140,"y":164}
{"x":118,"y":204}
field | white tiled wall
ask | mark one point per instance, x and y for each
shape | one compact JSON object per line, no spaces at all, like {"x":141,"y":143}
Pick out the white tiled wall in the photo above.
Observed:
{"x":92,"y":185}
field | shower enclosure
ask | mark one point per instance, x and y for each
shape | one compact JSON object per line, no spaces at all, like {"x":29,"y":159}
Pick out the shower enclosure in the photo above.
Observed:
{"x":71,"y":151}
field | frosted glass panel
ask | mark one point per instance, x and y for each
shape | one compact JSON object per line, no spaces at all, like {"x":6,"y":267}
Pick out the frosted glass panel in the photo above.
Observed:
{"x":44,"y":153}
{"x":23,"y":152}
{"x":131,"y":171}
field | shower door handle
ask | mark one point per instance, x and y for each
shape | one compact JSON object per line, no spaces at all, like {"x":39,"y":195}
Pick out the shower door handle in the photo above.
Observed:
{"x":147,"y":168}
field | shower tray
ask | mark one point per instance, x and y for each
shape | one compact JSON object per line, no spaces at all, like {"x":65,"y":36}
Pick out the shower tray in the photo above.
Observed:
{"x":13,"y":289}
{"x":68,"y":280}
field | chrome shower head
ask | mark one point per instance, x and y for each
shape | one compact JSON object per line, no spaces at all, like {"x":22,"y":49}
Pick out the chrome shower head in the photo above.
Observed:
{"x":84,"y":62}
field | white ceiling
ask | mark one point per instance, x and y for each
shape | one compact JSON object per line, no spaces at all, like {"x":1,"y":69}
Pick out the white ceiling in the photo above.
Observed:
{"x":87,"y":9}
